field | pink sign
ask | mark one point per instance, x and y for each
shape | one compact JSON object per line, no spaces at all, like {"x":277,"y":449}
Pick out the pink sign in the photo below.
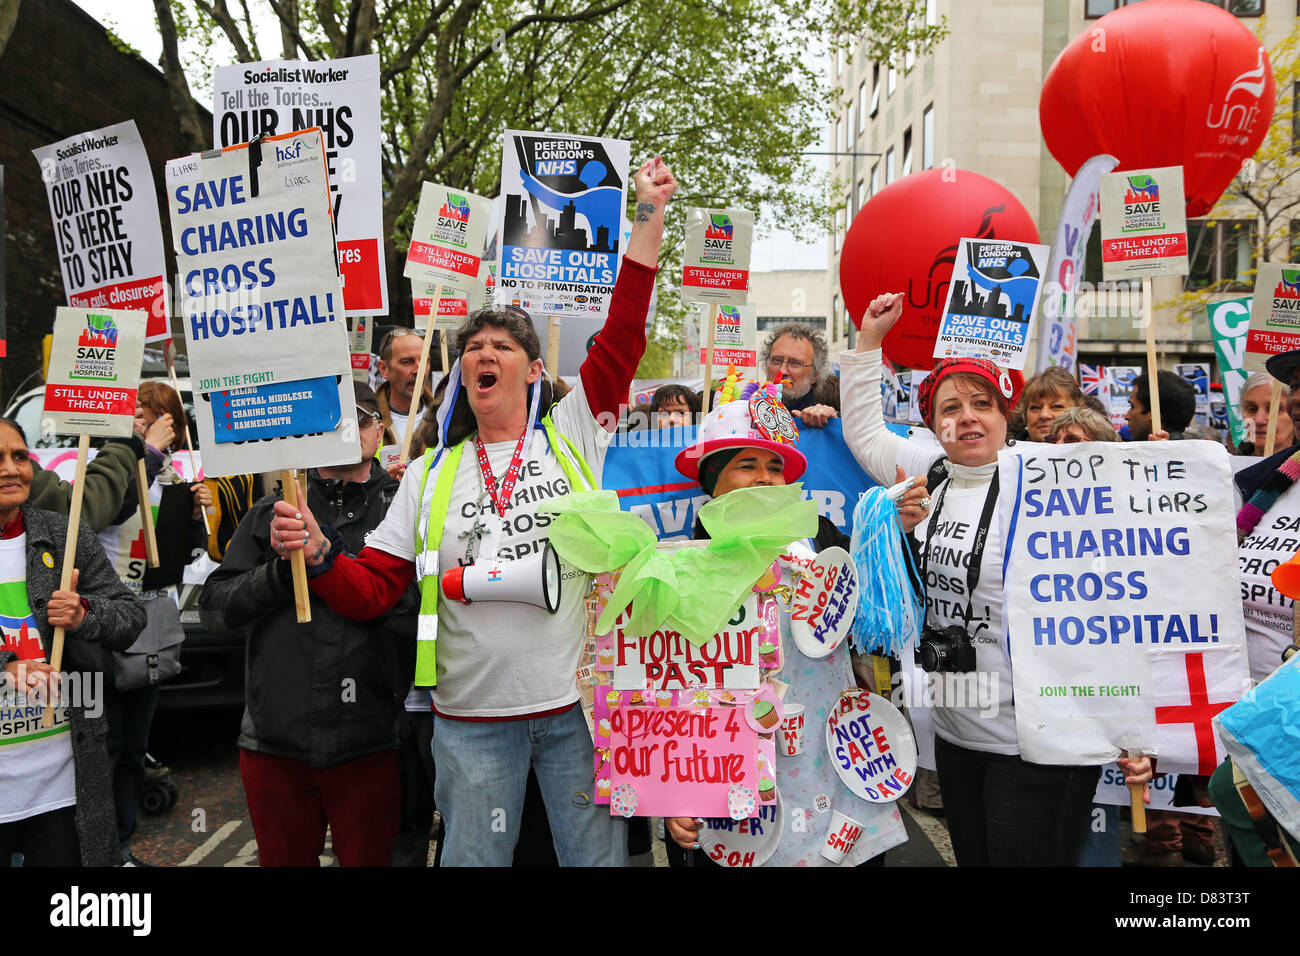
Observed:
{"x":680,"y":761}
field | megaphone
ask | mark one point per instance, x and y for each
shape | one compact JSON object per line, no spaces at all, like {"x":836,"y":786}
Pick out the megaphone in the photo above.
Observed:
{"x":534,"y":580}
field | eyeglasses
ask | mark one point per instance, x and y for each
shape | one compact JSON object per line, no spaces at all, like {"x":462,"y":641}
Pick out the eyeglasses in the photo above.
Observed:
{"x":793,"y":365}
{"x":366,"y":417}
{"x":397,"y":334}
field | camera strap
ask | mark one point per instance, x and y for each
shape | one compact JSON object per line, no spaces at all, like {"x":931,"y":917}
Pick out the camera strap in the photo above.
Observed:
{"x":977,"y":549}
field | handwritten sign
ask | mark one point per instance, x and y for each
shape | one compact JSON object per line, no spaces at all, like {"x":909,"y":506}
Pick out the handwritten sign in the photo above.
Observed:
{"x":825,"y":600}
{"x":871,"y":747}
{"x":681,"y":761}
{"x":666,"y":661}
{"x":745,"y":843}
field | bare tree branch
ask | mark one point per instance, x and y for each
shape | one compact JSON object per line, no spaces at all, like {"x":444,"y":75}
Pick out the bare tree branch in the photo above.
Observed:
{"x":252,"y":34}
{"x":330,"y":26}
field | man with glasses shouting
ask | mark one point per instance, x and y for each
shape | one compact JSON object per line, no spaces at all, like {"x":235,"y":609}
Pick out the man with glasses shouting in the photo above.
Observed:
{"x":796,"y":354}
{"x":318,"y":743}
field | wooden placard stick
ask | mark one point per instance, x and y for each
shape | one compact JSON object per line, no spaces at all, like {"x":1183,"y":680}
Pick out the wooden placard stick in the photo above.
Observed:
{"x":69,"y":563}
{"x":1152,"y":374}
{"x":1274,"y":405}
{"x":298,"y":557}
{"x":553,"y":347}
{"x":413,"y":412}
{"x":446,"y":355}
{"x":194,"y":469}
{"x":708,"y":358}
{"x":146,"y":513}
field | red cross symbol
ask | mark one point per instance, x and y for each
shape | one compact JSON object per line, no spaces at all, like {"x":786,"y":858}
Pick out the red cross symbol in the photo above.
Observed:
{"x":1198,"y":713}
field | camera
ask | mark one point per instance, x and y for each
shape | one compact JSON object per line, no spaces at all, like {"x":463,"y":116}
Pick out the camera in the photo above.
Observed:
{"x":947,"y":649}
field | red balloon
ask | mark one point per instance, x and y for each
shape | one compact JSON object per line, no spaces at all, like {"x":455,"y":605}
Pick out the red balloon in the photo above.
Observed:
{"x":1162,"y":83}
{"x":905,"y":240}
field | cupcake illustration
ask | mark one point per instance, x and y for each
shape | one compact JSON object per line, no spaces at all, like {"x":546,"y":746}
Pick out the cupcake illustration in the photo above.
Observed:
{"x":767,"y":654}
{"x":603,"y":728}
{"x":767,"y":789}
{"x":613,"y":697}
{"x":765,"y":714}
{"x":701,"y":698}
{"x":664,"y":698}
{"x":606,"y":656}
{"x":602,"y":787}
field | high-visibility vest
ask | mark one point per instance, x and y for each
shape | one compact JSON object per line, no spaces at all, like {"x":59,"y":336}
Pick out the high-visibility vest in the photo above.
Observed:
{"x":435,"y":499}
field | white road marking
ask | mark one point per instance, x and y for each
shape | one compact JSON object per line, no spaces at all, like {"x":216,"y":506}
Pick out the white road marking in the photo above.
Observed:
{"x":211,"y":843}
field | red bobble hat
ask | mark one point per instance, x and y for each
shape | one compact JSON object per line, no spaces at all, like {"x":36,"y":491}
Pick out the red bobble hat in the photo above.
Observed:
{"x":1007,"y":383}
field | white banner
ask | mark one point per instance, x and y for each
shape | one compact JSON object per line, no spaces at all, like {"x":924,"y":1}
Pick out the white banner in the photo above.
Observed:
{"x":1124,"y":630}
{"x":94,"y":372}
{"x":106,"y":224}
{"x":341,"y":97}
{"x":262,"y":307}
{"x":560,"y":222}
{"x":1057,"y":335}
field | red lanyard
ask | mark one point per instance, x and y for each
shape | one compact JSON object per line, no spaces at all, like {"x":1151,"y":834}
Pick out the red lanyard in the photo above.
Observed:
{"x":512,"y":474}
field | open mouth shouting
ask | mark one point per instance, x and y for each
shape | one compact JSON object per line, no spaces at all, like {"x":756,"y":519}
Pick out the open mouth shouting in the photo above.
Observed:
{"x":484,"y":381}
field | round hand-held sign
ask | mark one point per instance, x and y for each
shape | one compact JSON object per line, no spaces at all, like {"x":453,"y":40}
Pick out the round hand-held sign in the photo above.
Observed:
{"x":748,"y":842}
{"x":871,"y":746}
{"x":825,"y":600}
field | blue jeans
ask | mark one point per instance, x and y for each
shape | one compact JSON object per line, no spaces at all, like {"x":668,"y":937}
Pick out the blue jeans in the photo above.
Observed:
{"x":482,"y":775}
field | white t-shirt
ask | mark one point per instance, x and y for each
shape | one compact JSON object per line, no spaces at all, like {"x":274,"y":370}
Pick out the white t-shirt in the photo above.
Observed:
{"x":1268,"y":613}
{"x":36,"y":772}
{"x":879,"y":451}
{"x":504,"y":659}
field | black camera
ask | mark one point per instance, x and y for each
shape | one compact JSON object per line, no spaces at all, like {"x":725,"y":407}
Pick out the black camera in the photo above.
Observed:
{"x":947,"y":649}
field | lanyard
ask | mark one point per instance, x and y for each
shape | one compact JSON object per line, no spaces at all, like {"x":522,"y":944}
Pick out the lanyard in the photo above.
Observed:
{"x":977,"y":549}
{"x":501,"y":502}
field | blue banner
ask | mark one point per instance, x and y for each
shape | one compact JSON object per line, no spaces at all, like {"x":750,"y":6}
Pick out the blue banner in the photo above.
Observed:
{"x":639,"y":466}
{"x":308,"y":407}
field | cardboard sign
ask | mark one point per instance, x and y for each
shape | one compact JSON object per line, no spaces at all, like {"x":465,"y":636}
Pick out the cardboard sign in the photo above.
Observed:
{"x":1197,"y":375}
{"x":561,"y":221}
{"x":991,"y":301}
{"x":453,"y":305}
{"x":665,"y":661}
{"x":716,"y":267}
{"x":871,"y":747}
{"x":1229,"y":327}
{"x":1143,"y":223}
{"x":1125,"y":632}
{"x":106,"y":224}
{"x":94,"y":372}
{"x":681,"y":761}
{"x":341,"y":97}
{"x":360,"y":342}
{"x":825,"y":600}
{"x":735,"y":340}
{"x":447,"y":238}
{"x":262,"y":307}
{"x":1274,"y":314}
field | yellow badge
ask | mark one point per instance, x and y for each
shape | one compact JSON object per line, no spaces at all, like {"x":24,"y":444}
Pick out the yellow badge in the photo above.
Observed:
{"x":48,"y":559}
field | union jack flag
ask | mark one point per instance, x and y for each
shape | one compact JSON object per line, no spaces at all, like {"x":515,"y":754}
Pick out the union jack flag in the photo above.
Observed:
{"x":1093,"y":379}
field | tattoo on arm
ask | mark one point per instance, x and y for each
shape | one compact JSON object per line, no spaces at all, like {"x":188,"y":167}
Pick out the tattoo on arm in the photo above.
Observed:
{"x":644,"y":211}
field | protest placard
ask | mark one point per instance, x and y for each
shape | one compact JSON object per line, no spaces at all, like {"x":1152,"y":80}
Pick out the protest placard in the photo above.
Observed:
{"x":1125,"y":632}
{"x":1274,"y":314}
{"x":94,"y":372}
{"x":1197,"y":375}
{"x":1143,"y":224}
{"x":871,"y":746}
{"x":716,"y":258}
{"x":453,"y":305}
{"x":447,"y":238}
{"x":991,"y":301}
{"x":560,"y":221}
{"x":1229,"y":327}
{"x":341,"y":98}
{"x":106,"y":222}
{"x":1120,"y":379}
{"x":735,"y":340}
{"x":262,"y":307}
{"x":665,"y":661}
{"x":360,"y":342}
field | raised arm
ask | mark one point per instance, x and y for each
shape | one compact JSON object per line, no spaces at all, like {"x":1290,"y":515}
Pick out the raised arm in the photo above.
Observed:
{"x":610,"y":365}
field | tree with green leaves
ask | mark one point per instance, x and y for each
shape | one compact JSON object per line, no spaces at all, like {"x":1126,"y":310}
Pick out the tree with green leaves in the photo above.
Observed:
{"x":725,"y":90}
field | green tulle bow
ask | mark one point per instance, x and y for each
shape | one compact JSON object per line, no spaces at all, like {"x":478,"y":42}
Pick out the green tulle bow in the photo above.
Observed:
{"x":695,"y":591}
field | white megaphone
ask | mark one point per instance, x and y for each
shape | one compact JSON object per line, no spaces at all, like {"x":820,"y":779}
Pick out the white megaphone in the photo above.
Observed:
{"x":534,"y":580}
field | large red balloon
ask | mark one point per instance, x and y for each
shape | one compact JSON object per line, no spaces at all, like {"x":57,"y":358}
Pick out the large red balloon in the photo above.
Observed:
{"x":1162,"y":83}
{"x":905,"y":240}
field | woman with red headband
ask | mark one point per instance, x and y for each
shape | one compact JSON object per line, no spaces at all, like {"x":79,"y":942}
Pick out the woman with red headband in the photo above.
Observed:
{"x":1001,"y":810}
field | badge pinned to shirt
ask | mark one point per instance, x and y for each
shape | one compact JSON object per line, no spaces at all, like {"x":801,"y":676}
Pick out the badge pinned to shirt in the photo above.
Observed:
{"x":47,"y":559}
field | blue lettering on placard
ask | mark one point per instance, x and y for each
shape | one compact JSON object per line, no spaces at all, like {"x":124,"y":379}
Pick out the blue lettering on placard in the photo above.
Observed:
{"x":307,"y":407}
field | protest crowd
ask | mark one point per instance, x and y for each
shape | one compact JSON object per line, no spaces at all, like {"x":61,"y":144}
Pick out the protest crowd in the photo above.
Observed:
{"x":475,"y":637}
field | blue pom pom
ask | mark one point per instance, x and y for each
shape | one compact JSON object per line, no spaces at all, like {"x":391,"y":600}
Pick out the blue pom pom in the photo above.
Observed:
{"x":890,"y":613}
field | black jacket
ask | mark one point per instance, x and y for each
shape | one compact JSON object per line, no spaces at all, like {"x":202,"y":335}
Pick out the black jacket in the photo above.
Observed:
{"x":331,"y":690}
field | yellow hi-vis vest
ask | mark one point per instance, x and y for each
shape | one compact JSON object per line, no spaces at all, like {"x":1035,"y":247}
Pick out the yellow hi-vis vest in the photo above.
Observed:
{"x":435,"y":499}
